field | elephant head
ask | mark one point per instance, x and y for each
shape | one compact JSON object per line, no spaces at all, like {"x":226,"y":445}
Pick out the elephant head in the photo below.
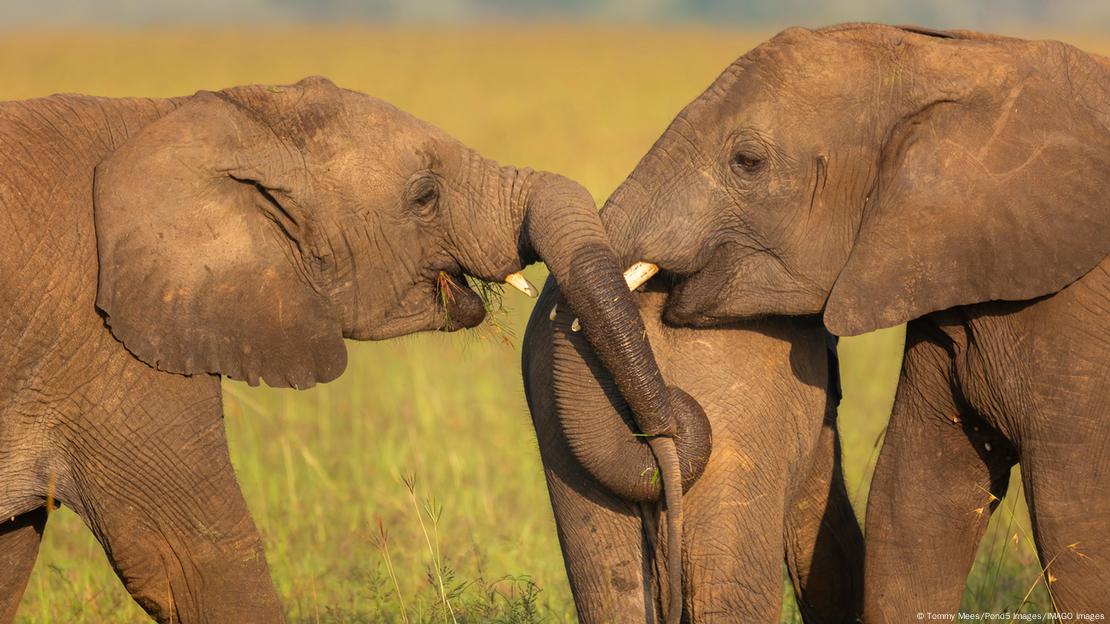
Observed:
{"x":873,"y":175}
{"x":248,"y":231}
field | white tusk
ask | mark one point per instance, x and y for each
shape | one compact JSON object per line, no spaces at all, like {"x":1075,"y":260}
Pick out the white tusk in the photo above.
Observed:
{"x":638,"y":273}
{"x":521,"y":283}
{"x":554,"y":311}
{"x":575,"y":326}
{"x":635,"y":276}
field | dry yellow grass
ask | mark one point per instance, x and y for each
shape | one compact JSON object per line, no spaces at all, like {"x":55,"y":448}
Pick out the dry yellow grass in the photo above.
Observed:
{"x":322,"y":469}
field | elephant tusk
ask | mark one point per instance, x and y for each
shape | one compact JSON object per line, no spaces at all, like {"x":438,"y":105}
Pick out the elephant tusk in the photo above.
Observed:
{"x":635,"y":276}
{"x":554,"y":311}
{"x":638,"y":273}
{"x":521,"y":283}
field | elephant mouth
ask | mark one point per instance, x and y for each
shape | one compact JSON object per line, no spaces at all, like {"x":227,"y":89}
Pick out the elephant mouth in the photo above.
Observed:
{"x":457,"y":305}
{"x":695,"y":297}
{"x":691,"y":298}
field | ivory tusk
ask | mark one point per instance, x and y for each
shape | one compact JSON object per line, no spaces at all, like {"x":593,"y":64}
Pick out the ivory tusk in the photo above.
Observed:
{"x":638,"y":273}
{"x":554,"y":311}
{"x":635,"y":276}
{"x":521,"y":283}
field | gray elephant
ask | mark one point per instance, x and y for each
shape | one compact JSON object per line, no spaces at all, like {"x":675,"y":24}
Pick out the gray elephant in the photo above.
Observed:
{"x":772,"y":486}
{"x":957,"y":181}
{"x":149,"y":246}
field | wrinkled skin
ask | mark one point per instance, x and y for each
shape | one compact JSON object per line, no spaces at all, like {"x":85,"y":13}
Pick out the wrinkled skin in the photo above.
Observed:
{"x":772,"y":485}
{"x":149,"y":246}
{"x":878,"y":175}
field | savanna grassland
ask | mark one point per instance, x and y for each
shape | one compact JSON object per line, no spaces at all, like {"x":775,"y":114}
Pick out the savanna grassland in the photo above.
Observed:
{"x":411,"y":489}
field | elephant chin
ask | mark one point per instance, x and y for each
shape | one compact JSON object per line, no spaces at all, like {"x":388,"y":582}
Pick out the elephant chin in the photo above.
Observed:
{"x":688,"y":308}
{"x":728,"y":287}
{"x":696,"y":298}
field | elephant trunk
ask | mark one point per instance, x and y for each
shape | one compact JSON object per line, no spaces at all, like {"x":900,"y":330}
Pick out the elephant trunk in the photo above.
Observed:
{"x":562,"y":227}
{"x":554,"y":219}
{"x":557,"y":222}
{"x":664,"y":449}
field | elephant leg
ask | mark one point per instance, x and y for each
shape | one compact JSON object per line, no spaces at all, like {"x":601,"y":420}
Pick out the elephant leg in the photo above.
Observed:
{"x":153,"y":480}
{"x":603,"y":545}
{"x":824,"y":546}
{"x":601,"y":535}
{"x":604,"y":552}
{"x":932,"y":495}
{"x":1065,"y":485}
{"x":19,"y":545}
{"x":733,"y":533}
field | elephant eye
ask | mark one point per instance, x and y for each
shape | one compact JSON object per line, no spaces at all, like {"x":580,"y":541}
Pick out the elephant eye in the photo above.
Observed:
{"x":423,"y":196}
{"x":746,"y":162}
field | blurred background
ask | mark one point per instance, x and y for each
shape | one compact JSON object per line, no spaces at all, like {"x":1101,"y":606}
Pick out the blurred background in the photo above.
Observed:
{"x":1090,"y":15}
{"x":419,"y":465}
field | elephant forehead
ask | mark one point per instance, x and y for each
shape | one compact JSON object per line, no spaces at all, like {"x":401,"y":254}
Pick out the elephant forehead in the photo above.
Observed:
{"x":383,"y":121}
{"x":797,"y":72}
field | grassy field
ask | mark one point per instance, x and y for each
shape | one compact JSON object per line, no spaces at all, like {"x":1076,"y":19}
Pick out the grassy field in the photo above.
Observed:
{"x":418,"y":469}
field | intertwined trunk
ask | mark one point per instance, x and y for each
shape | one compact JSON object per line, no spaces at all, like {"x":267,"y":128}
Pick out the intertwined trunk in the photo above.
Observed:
{"x":559,"y":224}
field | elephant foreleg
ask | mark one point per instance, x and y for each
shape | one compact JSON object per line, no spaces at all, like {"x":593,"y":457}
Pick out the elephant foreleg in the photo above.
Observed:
{"x":932,"y":495}
{"x":824,"y":546}
{"x":19,"y":545}
{"x":601,"y":535}
{"x":603,"y":548}
{"x":153,"y":480}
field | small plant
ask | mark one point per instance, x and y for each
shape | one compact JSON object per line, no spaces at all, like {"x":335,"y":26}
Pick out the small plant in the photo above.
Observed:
{"x":443,"y":596}
{"x":508,"y":600}
{"x":446,"y":289}
{"x":996,"y":588}
{"x":381,"y":542}
{"x":497,"y":322}
{"x":434,"y":513}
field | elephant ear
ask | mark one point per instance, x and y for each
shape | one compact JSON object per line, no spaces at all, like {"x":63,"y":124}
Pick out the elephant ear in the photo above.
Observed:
{"x":999,"y":193}
{"x":199,"y":241}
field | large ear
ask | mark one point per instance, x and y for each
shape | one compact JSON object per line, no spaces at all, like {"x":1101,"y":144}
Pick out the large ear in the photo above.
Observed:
{"x":998,"y":191}
{"x":200,"y":239}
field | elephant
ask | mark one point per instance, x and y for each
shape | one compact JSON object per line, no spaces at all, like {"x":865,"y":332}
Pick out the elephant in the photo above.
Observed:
{"x":772,"y":487}
{"x":953,"y":181}
{"x":152,"y":245}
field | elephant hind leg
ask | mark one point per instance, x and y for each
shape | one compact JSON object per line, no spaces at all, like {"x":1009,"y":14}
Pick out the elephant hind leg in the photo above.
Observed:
{"x":824,"y":546}
{"x":19,"y":546}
